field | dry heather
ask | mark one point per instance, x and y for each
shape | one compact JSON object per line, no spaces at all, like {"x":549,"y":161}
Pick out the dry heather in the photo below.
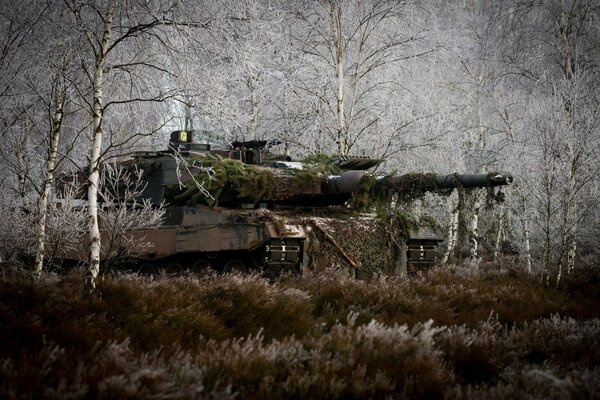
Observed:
{"x":449,"y":333}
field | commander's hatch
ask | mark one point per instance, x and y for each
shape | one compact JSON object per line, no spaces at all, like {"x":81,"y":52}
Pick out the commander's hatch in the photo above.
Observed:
{"x":355,"y":162}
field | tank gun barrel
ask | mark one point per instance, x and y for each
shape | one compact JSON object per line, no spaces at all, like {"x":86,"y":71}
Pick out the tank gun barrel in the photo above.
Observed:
{"x":351,"y":181}
{"x":472,"y":180}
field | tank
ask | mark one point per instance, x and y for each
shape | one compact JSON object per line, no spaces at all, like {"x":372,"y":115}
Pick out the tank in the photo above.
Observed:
{"x":271,"y":214}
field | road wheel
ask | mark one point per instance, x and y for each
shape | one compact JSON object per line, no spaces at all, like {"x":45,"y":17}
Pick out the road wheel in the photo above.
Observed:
{"x":201,"y":267}
{"x":235,"y":265}
{"x":174,"y":268}
{"x":147,"y":269}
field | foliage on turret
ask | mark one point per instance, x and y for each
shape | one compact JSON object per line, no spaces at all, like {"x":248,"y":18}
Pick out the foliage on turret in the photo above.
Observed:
{"x":322,"y":163}
{"x":247,"y":182}
{"x":379,"y":192}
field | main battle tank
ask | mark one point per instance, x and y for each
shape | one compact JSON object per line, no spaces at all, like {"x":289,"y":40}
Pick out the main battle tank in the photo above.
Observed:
{"x":242,"y":208}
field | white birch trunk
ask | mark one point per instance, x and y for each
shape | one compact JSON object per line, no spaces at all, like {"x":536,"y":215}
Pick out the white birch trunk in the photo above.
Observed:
{"x":254,"y":107}
{"x":546,"y":257}
{"x":547,"y":229}
{"x":474,"y":234}
{"x":569,"y":231}
{"x":559,"y":275}
{"x":527,"y":244}
{"x":568,"y":248}
{"x":336,"y":20}
{"x":286,"y":109}
{"x":48,"y":176}
{"x":564,"y":245}
{"x":499,"y":235}
{"x":189,"y":120}
{"x":572,"y":249}
{"x":452,"y":232}
{"x":94,"y":167}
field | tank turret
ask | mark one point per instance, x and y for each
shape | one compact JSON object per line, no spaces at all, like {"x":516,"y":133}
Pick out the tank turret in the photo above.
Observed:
{"x":258,"y":178}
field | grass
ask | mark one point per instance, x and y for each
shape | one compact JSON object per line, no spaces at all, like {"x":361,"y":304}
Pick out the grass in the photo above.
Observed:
{"x":449,"y":333}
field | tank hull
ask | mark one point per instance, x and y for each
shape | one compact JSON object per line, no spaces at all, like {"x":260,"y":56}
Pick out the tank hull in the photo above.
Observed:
{"x":201,"y":237}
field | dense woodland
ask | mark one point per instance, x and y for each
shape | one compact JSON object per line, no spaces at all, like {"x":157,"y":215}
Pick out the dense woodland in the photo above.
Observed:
{"x":430,"y":86}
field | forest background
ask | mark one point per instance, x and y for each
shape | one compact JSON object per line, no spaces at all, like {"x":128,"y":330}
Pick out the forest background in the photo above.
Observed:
{"x":444,"y":86}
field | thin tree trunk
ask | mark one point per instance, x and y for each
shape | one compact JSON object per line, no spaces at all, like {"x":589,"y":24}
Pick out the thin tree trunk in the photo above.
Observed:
{"x":569,"y":235}
{"x":546,"y":259}
{"x":286,"y":108}
{"x":499,"y":235}
{"x":560,"y":272}
{"x":94,"y":168}
{"x":547,"y":228}
{"x":564,"y":29}
{"x":527,"y":244}
{"x":49,"y":173}
{"x":474,"y":234}
{"x":564,"y":245}
{"x":568,"y":240}
{"x":462,"y":231}
{"x":572,"y":249}
{"x":336,"y":21}
{"x":254,"y":107}
{"x":452,"y":231}
{"x":189,"y":122}
{"x":22,"y":163}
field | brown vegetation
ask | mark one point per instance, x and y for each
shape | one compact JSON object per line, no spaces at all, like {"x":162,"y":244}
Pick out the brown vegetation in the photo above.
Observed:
{"x":451,"y":333}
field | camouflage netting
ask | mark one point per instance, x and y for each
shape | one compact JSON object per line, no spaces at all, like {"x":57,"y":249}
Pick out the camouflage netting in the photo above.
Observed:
{"x":380,"y":193}
{"x":369,"y":240}
{"x":252,"y":184}
{"x":414,"y":186}
{"x":365,"y":240}
{"x":246,"y":182}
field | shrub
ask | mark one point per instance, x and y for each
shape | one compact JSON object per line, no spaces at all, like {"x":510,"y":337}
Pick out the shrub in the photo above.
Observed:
{"x":455,"y":333}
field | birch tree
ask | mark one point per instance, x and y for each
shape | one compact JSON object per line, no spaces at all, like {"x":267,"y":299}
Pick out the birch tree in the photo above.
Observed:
{"x":48,"y":179}
{"x":107,"y":28}
{"x":101,"y":50}
{"x":351,"y":45}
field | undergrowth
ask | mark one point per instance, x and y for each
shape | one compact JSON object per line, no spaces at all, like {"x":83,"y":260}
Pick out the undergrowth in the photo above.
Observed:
{"x":448,"y":333}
